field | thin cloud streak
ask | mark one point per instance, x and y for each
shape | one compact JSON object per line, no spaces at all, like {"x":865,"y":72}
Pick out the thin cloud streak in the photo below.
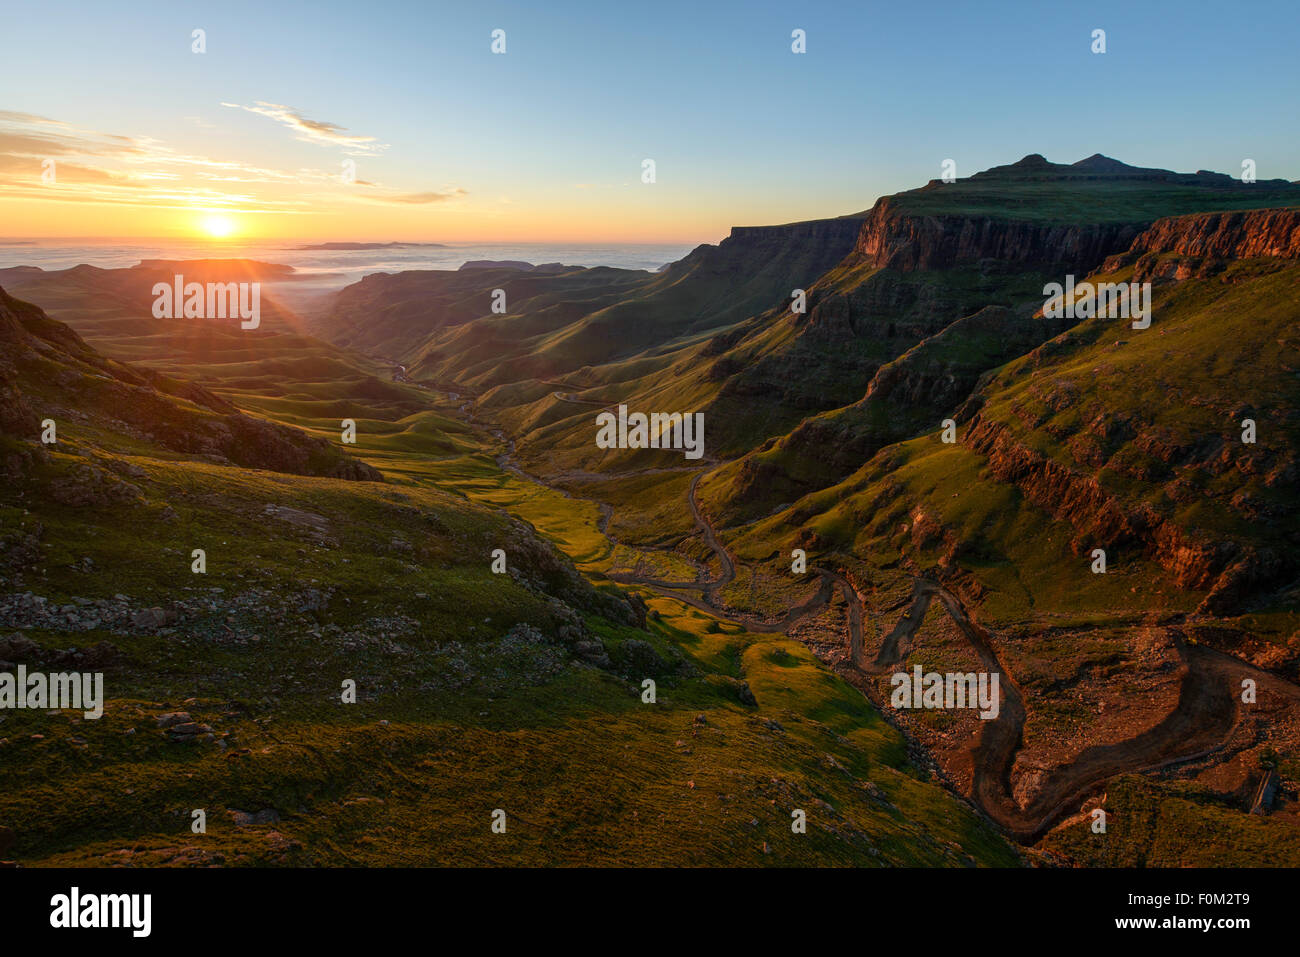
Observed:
{"x":314,"y":131}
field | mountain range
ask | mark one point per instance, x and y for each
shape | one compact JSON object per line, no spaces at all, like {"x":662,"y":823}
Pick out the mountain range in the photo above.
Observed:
{"x":883,"y":391}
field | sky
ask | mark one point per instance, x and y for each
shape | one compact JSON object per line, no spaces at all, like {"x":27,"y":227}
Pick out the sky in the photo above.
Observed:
{"x":112,"y":126}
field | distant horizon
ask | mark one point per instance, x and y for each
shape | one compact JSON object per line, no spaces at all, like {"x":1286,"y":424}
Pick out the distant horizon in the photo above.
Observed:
{"x":218,"y":242}
{"x":266,"y":240}
{"x":587,"y":125}
{"x":310,"y":262}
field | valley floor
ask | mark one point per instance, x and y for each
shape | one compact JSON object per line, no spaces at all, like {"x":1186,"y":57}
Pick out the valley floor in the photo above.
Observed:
{"x":1199,"y":732}
{"x":771,"y":697}
{"x":225,"y":700}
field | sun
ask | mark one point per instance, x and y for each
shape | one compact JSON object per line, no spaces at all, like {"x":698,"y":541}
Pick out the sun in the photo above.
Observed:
{"x":218,"y":226}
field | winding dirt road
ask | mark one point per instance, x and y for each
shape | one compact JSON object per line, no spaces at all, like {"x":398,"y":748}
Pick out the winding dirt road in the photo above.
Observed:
{"x":1201,"y":724}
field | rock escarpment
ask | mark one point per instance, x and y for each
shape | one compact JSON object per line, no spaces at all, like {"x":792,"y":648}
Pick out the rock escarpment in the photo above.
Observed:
{"x":1232,"y":572}
{"x":896,"y":239}
{"x":1180,"y":247}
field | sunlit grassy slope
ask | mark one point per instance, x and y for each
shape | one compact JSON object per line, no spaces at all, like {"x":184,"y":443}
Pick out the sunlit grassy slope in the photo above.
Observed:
{"x":1154,"y":414}
{"x":586,"y":773}
{"x":467,"y":701}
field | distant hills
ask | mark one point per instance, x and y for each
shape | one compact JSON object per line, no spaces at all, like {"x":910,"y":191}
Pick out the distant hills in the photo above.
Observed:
{"x":512,"y":264}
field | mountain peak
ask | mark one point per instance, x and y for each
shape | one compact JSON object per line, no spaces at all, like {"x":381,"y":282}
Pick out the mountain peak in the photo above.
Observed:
{"x":1101,"y":164}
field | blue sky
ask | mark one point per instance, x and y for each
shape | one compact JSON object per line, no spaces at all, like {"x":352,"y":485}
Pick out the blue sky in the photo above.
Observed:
{"x":547,"y":140}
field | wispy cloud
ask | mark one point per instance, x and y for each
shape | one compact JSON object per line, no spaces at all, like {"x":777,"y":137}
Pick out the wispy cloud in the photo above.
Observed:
{"x":88,"y":166}
{"x":416,"y":198}
{"x":94,"y":167}
{"x":314,"y":131}
{"x":11,"y":116}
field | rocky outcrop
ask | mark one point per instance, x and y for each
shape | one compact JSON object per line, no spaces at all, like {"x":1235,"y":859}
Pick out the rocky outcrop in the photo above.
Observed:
{"x":899,"y":240}
{"x":1182,"y":247}
{"x":1097,"y":517}
{"x":1234,"y":573}
{"x":538,"y":566}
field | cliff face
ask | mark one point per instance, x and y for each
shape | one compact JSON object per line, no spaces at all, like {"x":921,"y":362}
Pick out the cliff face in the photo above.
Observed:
{"x":1239,"y":235}
{"x":837,"y":235}
{"x":1213,"y":511}
{"x":1151,"y":463}
{"x":1180,"y":247}
{"x":762,"y":264}
{"x":909,"y":242}
{"x":888,"y":305}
